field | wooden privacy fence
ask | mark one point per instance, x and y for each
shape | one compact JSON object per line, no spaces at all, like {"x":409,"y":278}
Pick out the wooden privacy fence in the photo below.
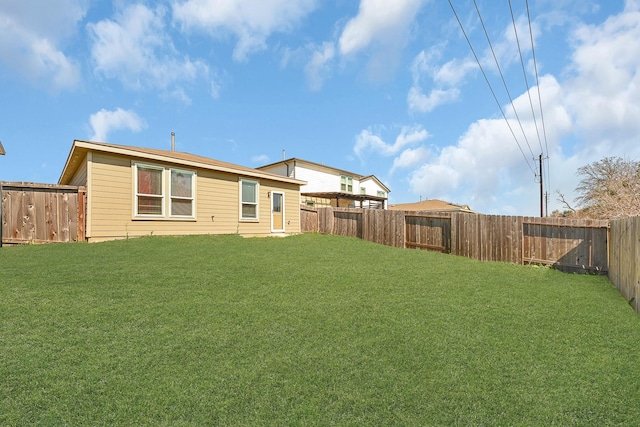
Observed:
{"x":571,"y":245}
{"x":624,"y":256}
{"x":41,"y":213}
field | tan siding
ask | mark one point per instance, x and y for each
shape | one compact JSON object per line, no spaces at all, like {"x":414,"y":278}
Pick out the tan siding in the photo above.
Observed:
{"x":217,"y":204}
{"x":280,"y":169}
{"x":111,"y":196}
{"x":292,"y":209}
{"x":80,"y":178}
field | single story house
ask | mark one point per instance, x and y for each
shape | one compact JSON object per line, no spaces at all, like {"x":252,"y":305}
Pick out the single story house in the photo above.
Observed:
{"x":133,"y":191}
{"x":433,"y":205}
{"x":328,"y":186}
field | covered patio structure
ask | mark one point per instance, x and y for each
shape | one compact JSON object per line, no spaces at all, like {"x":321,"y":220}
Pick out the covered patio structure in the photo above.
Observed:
{"x":344,"y":200}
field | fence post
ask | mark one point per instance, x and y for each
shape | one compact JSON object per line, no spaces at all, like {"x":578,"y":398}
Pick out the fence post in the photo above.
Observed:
{"x":82,"y":194}
{"x":0,"y":214}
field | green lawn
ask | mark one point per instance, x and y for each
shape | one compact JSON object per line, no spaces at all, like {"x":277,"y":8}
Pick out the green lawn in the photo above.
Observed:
{"x":306,"y":330}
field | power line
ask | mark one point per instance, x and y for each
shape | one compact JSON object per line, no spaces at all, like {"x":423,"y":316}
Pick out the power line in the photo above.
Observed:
{"x":506,"y":88}
{"x":490,"y":87}
{"x":535,"y":65}
{"x":524,"y":73}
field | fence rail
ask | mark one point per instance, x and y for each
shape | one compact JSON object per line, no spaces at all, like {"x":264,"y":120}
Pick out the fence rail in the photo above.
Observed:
{"x":570,"y":245}
{"x":41,"y":213}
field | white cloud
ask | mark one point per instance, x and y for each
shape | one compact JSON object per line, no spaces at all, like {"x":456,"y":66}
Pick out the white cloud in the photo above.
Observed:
{"x":381,"y":21}
{"x":631,"y":6}
{"x":316,"y":60}
{"x":486,"y":160}
{"x":262,"y":159}
{"x":104,"y":121}
{"x":419,"y":102}
{"x":454,"y":72}
{"x":446,"y":77}
{"x":215,"y":89}
{"x":318,"y":68}
{"x":383,"y":28}
{"x":604,"y":92}
{"x":410,"y":158}
{"x":31,"y":38}
{"x":506,"y":49}
{"x":250,"y":21}
{"x":474,"y":165}
{"x":136,"y":49}
{"x":594,"y":112}
{"x":368,"y":141}
{"x":177,"y":94}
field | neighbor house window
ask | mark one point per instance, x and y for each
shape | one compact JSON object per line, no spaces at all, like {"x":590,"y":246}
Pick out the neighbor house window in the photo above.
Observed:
{"x":381,"y":194}
{"x":149,"y":191}
{"x":363,"y":190}
{"x":346,"y":184}
{"x":248,"y":199}
{"x":152,"y":200}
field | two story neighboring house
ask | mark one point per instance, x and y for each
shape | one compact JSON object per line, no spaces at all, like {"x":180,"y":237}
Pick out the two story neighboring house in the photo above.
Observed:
{"x":328,"y":186}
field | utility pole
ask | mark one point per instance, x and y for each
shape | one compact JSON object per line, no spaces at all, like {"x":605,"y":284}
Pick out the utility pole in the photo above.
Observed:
{"x":546,"y":203}
{"x":541,"y":189}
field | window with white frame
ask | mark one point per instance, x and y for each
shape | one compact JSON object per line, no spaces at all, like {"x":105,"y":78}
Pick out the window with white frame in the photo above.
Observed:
{"x":181,"y":193}
{"x":249,"y":199}
{"x":363,"y":190}
{"x":382,"y":194}
{"x":346,"y":183}
{"x":149,"y":191}
{"x":153,"y":201}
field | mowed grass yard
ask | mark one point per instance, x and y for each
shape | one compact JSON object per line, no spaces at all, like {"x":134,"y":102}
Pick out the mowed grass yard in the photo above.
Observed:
{"x":306,"y":330}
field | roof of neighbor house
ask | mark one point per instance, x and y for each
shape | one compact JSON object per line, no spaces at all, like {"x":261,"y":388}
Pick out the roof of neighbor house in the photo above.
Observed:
{"x":431,"y":205}
{"x":329,"y":169}
{"x":80,"y":148}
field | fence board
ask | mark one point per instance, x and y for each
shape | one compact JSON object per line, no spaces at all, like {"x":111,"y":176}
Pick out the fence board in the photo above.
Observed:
{"x":42,"y":213}
{"x":380,"y":229}
{"x":624,"y":258}
{"x":428,"y":232}
{"x":325,"y":221}
{"x":308,"y":220}
{"x":347,"y":222}
{"x":576,"y":245}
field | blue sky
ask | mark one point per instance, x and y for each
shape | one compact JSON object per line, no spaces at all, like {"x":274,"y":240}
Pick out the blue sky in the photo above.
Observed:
{"x":381,"y":87}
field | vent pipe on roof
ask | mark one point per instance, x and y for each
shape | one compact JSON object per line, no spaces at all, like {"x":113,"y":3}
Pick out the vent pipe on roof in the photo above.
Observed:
{"x":283,"y":157}
{"x":173,"y":141}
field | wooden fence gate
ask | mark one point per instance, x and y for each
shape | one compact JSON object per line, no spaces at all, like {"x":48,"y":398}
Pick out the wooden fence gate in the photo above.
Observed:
{"x":41,"y":213}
